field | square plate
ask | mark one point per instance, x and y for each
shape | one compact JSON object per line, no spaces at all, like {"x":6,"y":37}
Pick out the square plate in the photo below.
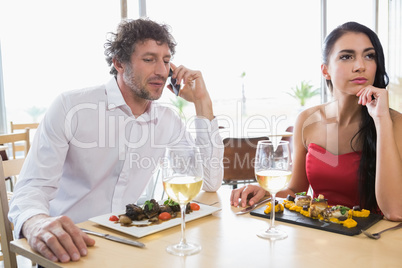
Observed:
{"x":150,"y":229}
{"x":297,"y":218}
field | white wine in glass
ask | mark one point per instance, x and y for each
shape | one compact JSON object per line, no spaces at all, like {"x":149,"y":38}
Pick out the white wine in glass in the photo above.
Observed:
{"x":273,"y":171}
{"x":182,"y":175}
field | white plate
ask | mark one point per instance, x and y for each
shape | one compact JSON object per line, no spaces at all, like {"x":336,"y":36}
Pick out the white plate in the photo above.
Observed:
{"x":147,"y":230}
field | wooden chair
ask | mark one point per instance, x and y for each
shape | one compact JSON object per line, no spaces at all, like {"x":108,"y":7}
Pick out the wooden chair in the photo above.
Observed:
{"x":19,"y":127}
{"x":238,"y":160}
{"x":16,"y":137}
{"x":7,"y":168}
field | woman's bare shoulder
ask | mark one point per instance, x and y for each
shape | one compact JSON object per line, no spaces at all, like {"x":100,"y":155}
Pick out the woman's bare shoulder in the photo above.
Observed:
{"x":309,"y":123}
{"x":311,"y":114}
{"x":395,"y":116}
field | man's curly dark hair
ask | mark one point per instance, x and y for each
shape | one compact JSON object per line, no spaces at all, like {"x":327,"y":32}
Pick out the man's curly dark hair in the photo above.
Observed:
{"x":122,"y":44}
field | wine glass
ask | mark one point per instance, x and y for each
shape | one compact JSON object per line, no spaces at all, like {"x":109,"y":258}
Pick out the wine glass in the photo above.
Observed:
{"x":273,"y":170}
{"x":182,"y":176}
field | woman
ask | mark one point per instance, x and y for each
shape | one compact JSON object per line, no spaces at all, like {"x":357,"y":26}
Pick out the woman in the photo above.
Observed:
{"x":350,"y":149}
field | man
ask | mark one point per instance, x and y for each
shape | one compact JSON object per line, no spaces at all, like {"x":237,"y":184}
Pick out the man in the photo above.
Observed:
{"x":96,"y":149}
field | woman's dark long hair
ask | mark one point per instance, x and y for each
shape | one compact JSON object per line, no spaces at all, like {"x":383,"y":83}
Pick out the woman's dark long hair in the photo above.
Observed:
{"x":367,"y":134}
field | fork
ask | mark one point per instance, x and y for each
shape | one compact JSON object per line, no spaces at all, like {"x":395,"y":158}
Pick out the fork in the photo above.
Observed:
{"x":378,"y":235}
{"x":248,"y":209}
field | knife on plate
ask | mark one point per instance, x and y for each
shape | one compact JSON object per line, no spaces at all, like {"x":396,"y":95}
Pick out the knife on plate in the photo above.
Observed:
{"x":115,"y":238}
{"x":250,"y":208}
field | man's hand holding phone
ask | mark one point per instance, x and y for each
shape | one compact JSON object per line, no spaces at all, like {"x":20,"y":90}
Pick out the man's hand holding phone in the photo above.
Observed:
{"x":193,"y":89}
{"x":173,"y":83}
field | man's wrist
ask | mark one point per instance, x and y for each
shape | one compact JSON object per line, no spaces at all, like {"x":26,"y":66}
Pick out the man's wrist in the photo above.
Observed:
{"x":26,"y":227}
{"x":204,"y":109}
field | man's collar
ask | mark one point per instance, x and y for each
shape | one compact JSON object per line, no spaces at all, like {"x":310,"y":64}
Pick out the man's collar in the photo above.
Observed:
{"x":114,"y":96}
{"x":115,"y":99}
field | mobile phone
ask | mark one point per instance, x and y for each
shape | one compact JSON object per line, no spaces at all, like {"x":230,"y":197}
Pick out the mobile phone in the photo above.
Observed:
{"x":172,"y":81}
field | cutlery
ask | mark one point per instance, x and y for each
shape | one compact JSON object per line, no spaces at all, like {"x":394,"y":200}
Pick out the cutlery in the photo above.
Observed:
{"x":378,"y":235}
{"x":250,"y":208}
{"x":115,"y":238}
{"x":195,"y":201}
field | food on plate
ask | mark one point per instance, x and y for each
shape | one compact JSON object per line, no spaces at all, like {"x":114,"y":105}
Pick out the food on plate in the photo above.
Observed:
{"x":151,"y":208}
{"x":134,"y":212}
{"x":339,"y":212}
{"x":172,"y":204}
{"x":125,"y":220}
{"x":302,"y":199}
{"x":164,"y":216}
{"x":194,"y":206}
{"x":113,"y":218}
{"x":319,"y":209}
{"x":318,"y":205}
{"x":152,"y":211}
{"x":349,"y":223}
{"x":290,"y":198}
{"x":360,"y":213}
{"x":164,"y":208}
{"x":278,"y":207}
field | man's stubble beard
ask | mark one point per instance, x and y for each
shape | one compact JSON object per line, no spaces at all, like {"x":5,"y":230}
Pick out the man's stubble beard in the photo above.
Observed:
{"x":137,"y":89}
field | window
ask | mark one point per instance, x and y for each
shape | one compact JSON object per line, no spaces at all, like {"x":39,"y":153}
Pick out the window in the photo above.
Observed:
{"x":341,"y":11}
{"x":52,"y":46}
{"x":275,"y":43}
{"x":395,"y":54}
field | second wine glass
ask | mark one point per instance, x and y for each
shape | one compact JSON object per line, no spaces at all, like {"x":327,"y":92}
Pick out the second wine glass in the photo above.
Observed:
{"x":182,"y":175}
{"x":273,"y":171}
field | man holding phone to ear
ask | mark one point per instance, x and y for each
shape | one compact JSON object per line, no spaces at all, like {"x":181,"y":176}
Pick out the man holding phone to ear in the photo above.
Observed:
{"x":96,"y":149}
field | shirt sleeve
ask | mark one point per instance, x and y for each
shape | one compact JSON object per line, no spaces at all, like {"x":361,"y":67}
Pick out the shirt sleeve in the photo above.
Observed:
{"x":210,"y":143}
{"x":39,"y":177}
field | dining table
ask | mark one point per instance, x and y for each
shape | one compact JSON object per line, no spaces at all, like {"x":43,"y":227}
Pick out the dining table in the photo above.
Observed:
{"x":230,"y":240}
